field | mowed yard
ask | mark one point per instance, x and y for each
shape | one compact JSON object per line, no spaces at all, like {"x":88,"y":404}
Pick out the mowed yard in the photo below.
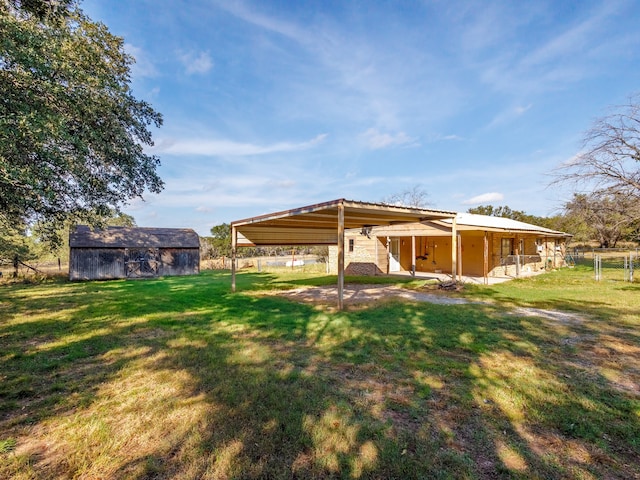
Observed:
{"x":180,"y":378}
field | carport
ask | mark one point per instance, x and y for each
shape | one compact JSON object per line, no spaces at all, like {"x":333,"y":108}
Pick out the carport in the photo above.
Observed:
{"x":325,"y":224}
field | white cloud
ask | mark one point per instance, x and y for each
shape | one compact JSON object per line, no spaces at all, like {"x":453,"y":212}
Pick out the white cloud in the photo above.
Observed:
{"x":196,"y":62}
{"x":484,"y":198}
{"x":557,"y":60}
{"x":573,"y":160}
{"x":228,"y":147}
{"x":509,"y":115}
{"x":438,"y":137}
{"x":376,"y":140}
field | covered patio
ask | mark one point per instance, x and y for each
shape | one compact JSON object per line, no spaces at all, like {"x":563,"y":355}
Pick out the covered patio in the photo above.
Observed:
{"x":325,"y":224}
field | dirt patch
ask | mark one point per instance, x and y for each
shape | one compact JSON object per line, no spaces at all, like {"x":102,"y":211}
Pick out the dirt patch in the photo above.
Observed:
{"x":359,"y":294}
{"x":566,"y":318}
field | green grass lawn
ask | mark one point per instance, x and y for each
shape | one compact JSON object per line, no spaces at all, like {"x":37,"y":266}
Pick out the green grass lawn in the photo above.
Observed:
{"x":180,"y":378}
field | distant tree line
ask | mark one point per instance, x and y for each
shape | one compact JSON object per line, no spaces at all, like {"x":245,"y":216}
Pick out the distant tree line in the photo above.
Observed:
{"x":218,"y":245}
{"x":601,"y":220}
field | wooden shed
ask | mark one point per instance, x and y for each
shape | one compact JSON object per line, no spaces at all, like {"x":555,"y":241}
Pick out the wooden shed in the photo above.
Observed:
{"x":132,"y":252}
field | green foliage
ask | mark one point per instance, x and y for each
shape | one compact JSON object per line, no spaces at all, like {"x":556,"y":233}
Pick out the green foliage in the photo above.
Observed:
{"x":43,"y":9}
{"x":14,"y":244}
{"x":606,"y":218}
{"x":71,"y":131}
{"x":7,"y":445}
{"x":220,"y":241}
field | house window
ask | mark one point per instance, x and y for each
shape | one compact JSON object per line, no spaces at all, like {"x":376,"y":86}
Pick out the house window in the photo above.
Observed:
{"x":506,"y":247}
{"x":351,"y":244}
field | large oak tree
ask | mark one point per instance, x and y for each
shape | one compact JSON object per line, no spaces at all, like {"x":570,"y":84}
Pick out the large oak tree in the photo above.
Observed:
{"x":72,"y":134}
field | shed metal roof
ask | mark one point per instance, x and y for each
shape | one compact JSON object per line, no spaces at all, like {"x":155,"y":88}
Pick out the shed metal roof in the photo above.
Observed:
{"x":471,"y":221}
{"x":318,"y":225}
{"x":468,"y":222}
{"x":133,"y":237}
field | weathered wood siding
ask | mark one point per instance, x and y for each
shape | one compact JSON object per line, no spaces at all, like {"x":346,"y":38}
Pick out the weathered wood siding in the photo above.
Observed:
{"x":96,"y":263}
{"x":180,"y":261}
{"x":132,"y":252}
{"x":112,"y":263}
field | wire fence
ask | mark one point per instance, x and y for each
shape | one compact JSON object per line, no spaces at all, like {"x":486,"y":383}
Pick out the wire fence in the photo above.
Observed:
{"x":609,"y":264}
{"x":302,"y":262}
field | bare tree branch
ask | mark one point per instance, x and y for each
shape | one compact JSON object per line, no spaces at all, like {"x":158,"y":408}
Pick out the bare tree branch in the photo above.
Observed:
{"x":610,"y":160}
{"x":411,"y":197}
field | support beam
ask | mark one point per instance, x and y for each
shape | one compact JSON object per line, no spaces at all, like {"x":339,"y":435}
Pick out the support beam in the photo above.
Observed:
{"x":340,"y":256}
{"x":388,"y":255}
{"x":485,"y":258}
{"x":413,"y":255}
{"x":377,"y":259}
{"x":459,"y":257}
{"x":454,"y":249}
{"x":234,"y":246}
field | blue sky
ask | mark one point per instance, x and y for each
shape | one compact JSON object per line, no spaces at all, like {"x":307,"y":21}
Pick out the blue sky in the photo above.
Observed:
{"x":270,"y":105}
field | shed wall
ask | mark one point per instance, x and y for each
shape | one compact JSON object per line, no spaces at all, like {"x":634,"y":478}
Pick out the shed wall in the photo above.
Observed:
{"x":111,"y":263}
{"x":96,"y":263}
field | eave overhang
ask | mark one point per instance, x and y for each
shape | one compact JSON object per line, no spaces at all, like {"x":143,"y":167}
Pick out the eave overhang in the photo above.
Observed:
{"x":318,"y":225}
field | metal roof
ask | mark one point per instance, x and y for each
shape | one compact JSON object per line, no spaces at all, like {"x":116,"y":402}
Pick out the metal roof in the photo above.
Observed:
{"x":133,"y":237}
{"x":318,"y":224}
{"x":471,"y":221}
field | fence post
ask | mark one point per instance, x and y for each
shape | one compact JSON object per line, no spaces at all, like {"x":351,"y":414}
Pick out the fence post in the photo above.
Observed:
{"x":596,"y":266}
{"x":625,"y":266}
{"x":631,"y":260}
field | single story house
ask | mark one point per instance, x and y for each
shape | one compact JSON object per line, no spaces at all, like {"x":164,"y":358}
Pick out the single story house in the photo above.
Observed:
{"x":132,"y":252}
{"x":486,"y":247}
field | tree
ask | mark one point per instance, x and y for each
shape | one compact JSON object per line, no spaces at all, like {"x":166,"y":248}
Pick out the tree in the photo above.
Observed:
{"x":71,"y":131}
{"x":608,"y":217}
{"x":610,"y":161}
{"x":554,"y":223}
{"x":502,"y":211}
{"x":220,"y":240}
{"x":411,"y":197}
{"x":15,"y":245}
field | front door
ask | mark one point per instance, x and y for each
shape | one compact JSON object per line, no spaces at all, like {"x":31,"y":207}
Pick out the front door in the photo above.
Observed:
{"x":394,"y":255}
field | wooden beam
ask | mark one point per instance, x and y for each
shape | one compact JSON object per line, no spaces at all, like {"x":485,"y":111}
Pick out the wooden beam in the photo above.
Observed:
{"x":388,"y":255}
{"x":454,"y":249}
{"x":234,"y":246}
{"x":340,"y":257}
{"x":413,"y":255}
{"x":459,"y":257}
{"x":485,"y":268}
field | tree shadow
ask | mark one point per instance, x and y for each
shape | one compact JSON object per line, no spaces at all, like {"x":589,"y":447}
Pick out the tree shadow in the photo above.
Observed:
{"x":244,"y":386}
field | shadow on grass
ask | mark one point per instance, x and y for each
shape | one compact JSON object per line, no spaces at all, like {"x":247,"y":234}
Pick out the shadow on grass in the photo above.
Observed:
{"x":184,"y":379}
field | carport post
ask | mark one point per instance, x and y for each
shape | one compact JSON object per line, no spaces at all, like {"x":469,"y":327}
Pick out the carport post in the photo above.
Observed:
{"x":340,"y":255}
{"x":454,"y":249}
{"x":485,"y":259}
{"x":413,"y":255}
{"x":234,"y":244}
